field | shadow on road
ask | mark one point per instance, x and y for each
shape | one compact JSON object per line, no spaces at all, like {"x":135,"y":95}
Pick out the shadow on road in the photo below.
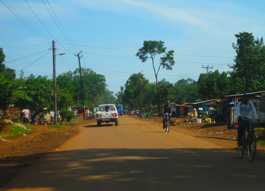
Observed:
{"x":102,"y":125}
{"x":139,"y":169}
{"x":220,"y":138}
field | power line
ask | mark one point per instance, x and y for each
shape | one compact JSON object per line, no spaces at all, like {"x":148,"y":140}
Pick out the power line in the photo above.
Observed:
{"x":25,"y":56}
{"x":62,"y":26}
{"x":103,"y":47}
{"x":84,"y":61}
{"x":24,"y":22}
{"x":40,"y":20}
{"x":186,"y":55}
{"x":36,"y":60}
{"x":57,"y":24}
{"x":106,"y":55}
{"x":149,"y":74}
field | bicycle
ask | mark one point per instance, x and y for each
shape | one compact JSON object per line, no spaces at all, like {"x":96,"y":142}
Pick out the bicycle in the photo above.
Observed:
{"x":167,"y":122}
{"x":249,"y":141}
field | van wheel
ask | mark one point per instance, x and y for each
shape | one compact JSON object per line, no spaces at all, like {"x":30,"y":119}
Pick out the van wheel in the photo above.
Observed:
{"x":116,"y":122}
{"x":98,"y":123}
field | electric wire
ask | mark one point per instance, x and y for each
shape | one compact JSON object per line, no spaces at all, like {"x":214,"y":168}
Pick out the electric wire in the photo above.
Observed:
{"x":65,"y":62}
{"x":185,"y":55}
{"x":24,"y":57}
{"x":24,"y":21}
{"x":62,"y":27}
{"x":40,"y":20}
{"x":56,"y":24}
{"x":149,"y":74}
{"x":35,"y":60}
{"x":84,"y":61}
{"x":178,"y":61}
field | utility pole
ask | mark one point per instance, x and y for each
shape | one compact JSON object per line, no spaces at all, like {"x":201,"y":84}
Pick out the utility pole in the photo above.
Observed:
{"x":81,"y":78}
{"x":54,"y":82}
{"x":207,"y":68}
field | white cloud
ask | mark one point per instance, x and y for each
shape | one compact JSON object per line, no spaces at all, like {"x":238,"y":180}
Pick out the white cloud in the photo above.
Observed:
{"x":32,"y":41}
{"x":218,"y":18}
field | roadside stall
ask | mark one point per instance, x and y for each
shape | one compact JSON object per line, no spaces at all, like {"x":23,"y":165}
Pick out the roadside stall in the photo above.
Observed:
{"x":258,"y":99}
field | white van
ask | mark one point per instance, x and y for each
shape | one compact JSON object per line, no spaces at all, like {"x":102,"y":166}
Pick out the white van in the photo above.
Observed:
{"x":107,"y":113}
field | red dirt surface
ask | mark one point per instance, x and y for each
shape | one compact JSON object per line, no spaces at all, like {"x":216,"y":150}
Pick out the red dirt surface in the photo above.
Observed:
{"x":25,"y":150}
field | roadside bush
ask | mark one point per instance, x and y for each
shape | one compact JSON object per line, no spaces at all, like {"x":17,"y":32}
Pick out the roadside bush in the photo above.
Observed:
{"x":69,"y":115}
{"x":63,"y":114}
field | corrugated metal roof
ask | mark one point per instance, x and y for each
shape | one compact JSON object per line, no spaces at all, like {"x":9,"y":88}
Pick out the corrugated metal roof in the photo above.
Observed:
{"x":251,"y":93}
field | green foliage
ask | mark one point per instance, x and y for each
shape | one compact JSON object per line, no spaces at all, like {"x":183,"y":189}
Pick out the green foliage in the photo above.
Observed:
{"x":11,"y":91}
{"x":151,"y":49}
{"x":120,"y":95}
{"x":261,"y":142}
{"x":14,"y":132}
{"x":9,"y":86}
{"x":64,"y":89}
{"x":38,"y":91}
{"x":66,"y":114}
{"x":108,"y":97}
{"x":57,"y":126}
{"x":212,"y":85}
{"x":148,"y":108}
{"x":69,"y":115}
{"x":135,"y":90}
{"x":249,"y":62}
{"x":8,"y":73}
{"x":63,"y":114}
{"x":163,"y":92}
{"x":186,"y":90}
{"x":93,"y":84}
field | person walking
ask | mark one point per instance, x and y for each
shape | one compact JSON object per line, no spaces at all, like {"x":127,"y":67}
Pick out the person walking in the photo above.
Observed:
{"x":25,"y":113}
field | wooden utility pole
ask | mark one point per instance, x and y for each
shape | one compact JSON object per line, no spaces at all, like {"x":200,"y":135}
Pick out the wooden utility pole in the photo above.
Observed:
{"x":81,"y":79}
{"x":207,"y":68}
{"x":54,"y":82}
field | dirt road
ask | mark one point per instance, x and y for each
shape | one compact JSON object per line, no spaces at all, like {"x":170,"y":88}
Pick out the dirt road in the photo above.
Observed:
{"x":139,"y":155}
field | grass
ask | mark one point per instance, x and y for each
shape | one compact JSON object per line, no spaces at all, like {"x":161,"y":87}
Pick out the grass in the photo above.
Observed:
{"x":259,"y":128}
{"x":73,"y":121}
{"x":44,"y":134}
{"x":57,"y":126}
{"x":14,"y":132}
{"x":262,"y":143}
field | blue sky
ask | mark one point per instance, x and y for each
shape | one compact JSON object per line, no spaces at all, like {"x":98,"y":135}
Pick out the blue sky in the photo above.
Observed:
{"x":109,"y":33}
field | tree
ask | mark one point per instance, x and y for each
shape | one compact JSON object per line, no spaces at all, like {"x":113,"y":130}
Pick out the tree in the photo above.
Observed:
{"x":8,"y":73}
{"x":186,"y":90}
{"x":249,"y":61}
{"x":2,"y":59}
{"x":64,"y":89}
{"x":108,"y":97}
{"x":10,"y":90}
{"x":212,"y":85}
{"x":39,"y":93}
{"x":135,"y":88}
{"x":94,"y":86}
{"x":164,"y":92}
{"x":120,"y":95}
{"x":151,"y":49}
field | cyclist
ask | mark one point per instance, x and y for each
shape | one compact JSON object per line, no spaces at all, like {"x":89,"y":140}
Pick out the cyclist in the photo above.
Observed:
{"x":167,"y":109}
{"x":243,"y":110}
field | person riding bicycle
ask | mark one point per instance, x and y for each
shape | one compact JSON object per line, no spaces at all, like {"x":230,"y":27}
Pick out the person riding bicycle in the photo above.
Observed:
{"x":243,"y":110}
{"x":167,"y":109}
